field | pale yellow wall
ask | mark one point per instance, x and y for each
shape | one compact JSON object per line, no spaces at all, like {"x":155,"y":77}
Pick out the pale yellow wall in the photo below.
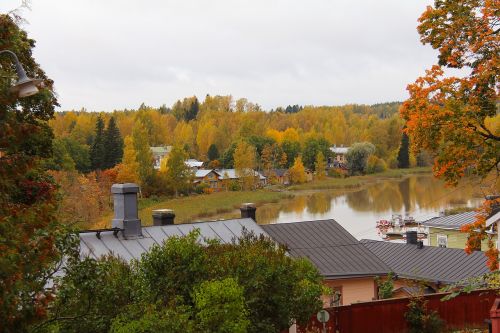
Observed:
{"x":353,"y":290}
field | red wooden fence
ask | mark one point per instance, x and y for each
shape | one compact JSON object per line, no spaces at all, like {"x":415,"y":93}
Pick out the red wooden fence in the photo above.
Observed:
{"x":387,"y":316}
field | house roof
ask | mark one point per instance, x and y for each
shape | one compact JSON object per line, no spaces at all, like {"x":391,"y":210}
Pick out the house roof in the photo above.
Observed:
{"x":333,"y":250}
{"x":428,"y":263}
{"x":192,"y":163}
{"x":161,"y":150}
{"x":454,"y":221}
{"x":493,"y":219}
{"x":202,"y":172}
{"x":231,"y":174}
{"x":279,"y":172}
{"x":128,"y":249}
{"x":339,"y":150}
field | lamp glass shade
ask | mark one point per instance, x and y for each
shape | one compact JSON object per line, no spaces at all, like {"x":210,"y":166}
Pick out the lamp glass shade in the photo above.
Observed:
{"x":26,"y":88}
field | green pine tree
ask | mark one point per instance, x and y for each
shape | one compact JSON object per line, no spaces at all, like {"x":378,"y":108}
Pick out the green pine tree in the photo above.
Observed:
{"x":404,"y":153}
{"x":98,"y":149}
{"x":113,"y":144}
{"x":213,"y":152}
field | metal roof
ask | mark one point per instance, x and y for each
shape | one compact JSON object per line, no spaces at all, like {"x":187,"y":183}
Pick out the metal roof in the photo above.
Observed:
{"x":192,"y":163}
{"x":161,"y":150}
{"x":333,"y":250}
{"x":202,"y":172}
{"x":493,"y":219}
{"x":428,"y":263}
{"x":454,"y":221}
{"x":232,"y":174}
{"x":128,"y":249}
{"x":339,"y":150}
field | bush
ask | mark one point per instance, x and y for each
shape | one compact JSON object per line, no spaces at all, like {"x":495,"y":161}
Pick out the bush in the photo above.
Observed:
{"x":335,"y":173}
{"x":201,"y":188}
{"x":375,"y":164}
{"x":420,"y":320}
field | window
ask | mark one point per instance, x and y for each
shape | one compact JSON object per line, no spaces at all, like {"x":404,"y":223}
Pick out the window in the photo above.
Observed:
{"x":442,"y":240}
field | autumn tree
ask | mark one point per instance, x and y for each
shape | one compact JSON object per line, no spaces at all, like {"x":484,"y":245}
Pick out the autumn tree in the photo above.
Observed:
{"x":143,"y":156}
{"x":453,"y":117}
{"x":450,"y":115}
{"x":357,"y":157}
{"x":187,"y":109}
{"x":244,"y":163}
{"x":311,"y":149}
{"x":129,"y":168}
{"x":32,"y":240}
{"x":297,"y":171}
{"x":320,"y":166}
{"x":178,"y":174}
{"x":291,"y":149}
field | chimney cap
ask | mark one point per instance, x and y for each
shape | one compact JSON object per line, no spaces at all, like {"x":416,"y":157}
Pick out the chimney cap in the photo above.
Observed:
{"x":163,"y":212}
{"x":125,"y":188}
{"x":248,"y":205}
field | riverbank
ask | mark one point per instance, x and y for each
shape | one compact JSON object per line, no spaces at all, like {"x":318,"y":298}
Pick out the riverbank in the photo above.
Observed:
{"x":226,"y":204}
{"x":202,"y":206}
{"x":357,"y":181}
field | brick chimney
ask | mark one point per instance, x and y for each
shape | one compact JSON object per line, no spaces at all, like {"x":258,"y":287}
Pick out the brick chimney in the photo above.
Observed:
{"x":248,"y":210}
{"x":125,"y":206}
{"x":163,"y":217}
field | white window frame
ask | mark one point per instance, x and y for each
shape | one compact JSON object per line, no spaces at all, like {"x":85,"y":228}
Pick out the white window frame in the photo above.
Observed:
{"x":442,"y":240}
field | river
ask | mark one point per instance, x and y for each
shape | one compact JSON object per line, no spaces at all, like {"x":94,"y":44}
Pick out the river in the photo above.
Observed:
{"x":420,"y":196}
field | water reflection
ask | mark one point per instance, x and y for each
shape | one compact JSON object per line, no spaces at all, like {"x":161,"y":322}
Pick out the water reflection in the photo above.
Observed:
{"x":420,"y":196}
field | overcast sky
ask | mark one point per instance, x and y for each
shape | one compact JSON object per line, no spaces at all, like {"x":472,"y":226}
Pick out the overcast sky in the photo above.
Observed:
{"x":116,"y":54}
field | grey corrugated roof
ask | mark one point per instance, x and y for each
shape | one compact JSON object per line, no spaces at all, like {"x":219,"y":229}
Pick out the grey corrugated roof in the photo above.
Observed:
{"x":129,"y":249}
{"x":493,"y":219}
{"x":454,"y":221}
{"x":428,"y":263}
{"x":333,"y":250}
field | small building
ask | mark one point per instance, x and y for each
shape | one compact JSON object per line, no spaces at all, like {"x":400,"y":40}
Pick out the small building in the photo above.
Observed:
{"x":444,"y":231}
{"x":340,"y":154}
{"x":209,"y":177}
{"x":231,"y":175}
{"x":159,"y":153}
{"x":279,"y":176}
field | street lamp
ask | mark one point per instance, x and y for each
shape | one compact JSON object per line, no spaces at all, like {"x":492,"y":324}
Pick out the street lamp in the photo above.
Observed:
{"x":24,"y":86}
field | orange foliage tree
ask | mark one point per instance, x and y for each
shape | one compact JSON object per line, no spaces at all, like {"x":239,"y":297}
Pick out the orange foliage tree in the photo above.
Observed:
{"x":452,"y":116}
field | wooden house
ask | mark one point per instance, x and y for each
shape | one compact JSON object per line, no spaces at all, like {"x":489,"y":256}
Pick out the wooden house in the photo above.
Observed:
{"x":444,"y":231}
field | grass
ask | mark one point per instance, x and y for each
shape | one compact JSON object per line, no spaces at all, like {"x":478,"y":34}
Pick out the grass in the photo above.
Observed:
{"x":202,"y":207}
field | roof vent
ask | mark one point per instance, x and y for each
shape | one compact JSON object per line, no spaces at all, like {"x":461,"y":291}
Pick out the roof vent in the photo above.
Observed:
{"x":125,"y":206}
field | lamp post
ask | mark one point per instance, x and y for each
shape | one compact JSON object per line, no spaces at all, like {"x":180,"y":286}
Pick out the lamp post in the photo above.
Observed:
{"x":24,"y":86}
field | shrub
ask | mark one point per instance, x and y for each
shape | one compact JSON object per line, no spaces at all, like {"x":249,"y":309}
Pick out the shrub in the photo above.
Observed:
{"x":420,"y":320}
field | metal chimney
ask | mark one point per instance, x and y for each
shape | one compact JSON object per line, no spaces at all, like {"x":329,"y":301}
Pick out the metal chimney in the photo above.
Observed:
{"x":411,"y":237}
{"x":163,"y":217}
{"x":125,"y":206}
{"x":248,"y":210}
